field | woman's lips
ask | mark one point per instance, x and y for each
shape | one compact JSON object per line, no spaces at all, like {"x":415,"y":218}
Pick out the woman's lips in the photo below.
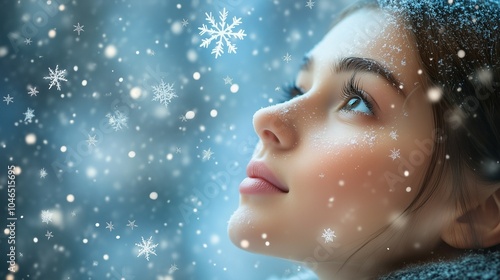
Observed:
{"x":260,"y":180}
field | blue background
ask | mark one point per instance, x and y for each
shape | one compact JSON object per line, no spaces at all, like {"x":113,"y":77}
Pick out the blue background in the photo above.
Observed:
{"x":195,"y":196}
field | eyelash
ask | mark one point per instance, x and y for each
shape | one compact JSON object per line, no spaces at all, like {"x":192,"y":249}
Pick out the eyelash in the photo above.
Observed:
{"x":350,"y":90}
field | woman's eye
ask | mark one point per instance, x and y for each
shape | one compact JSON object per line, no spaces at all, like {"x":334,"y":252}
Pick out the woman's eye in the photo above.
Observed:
{"x":358,"y":105}
{"x":291,"y":91}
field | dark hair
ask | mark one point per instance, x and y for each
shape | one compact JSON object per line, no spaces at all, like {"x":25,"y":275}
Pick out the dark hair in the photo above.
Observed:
{"x":459,"y":47}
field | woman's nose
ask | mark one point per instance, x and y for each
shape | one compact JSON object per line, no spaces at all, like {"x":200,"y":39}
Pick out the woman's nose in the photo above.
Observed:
{"x":275,"y":126}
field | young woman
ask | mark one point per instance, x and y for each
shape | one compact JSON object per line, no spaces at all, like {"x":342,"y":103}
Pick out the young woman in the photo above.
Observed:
{"x":385,"y":160}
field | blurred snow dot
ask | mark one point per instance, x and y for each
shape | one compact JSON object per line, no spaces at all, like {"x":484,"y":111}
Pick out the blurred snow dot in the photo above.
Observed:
{"x":190,"y":115}
{"x":105,"y":257}
{"x":434,"y":94}
{"x":192,"y":55}
{"x":179,"y":6}
{"x":420,"y":71}
{"x":131,"y":154}
{"x":85,"y":241}
{"x":461,"y":53}
{"x":234,"y":88}
{"x":35,"y":240}
{"x":17,"y":170}
{"x":137,"y":52}
{"x":202,"y":128}
{"x":408,"y":189}
{"x":30,"y":139}
{"x":213,"y":113}
{"x":62,"y":7}
{"x":153,"y":195}
{"x":196,"y":76}
{"x":135,"y":92}
{"x":407,"y":173}
{"x":52,"y":33}
{"x":70,"y":198}
{"x":97,"y":225}
{"x":170,"y":156}
{"x":91,"y":172}
{"x":267,"y":243}
{"x":264,"y":235}
{"x":214,"y":239}
{"x":341,"y":183}
{"x":75,"y":68}
{"x":120,"y":79}
{"x":63,"y":149}
{"x":117,"y":237}
{"x":84,"y":82}
{"x":110,"y":51}
{"x":176,"y":27}
{"x":244,"y":243}
{"x":3,"y":51}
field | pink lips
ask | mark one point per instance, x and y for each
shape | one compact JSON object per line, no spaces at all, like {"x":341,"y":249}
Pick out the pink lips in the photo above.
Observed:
{"x":260,"y":180}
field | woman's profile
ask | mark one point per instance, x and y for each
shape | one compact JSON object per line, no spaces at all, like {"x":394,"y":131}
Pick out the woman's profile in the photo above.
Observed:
{"x":384,"y":162}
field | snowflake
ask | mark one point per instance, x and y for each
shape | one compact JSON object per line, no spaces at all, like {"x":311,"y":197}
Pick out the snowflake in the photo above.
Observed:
{"x":228,"y":80}
{"x":173,"y":267}
{"x":287,"y":58}
{"x":395,"y":154}
{"x":8,"y":99}
{"x":222,"y":31}
{"x":118,"y":120}
{"x":146,"y":247}
{"x":55,"y":77}
{"x":27,"y":41}
{"x":46,"y":216}
{"x":183,"y":118}
{"x":91,"y":141}
{"x":207,"y":154}
{"x":28,"y":115}
{"x":328,"y":235}
{"x":310,"y":4}
{"x":131,"y":224}
{"x":184,"y":22}
{"x":394,"y":135}
{"x":43,"y":173}
{"x":49,"y":234}
{"x":32,"y":91}
{"x":177,"y":150}
{"x":78,"y":28}
{"x":110,"y":226}
{"x":163,"y":93}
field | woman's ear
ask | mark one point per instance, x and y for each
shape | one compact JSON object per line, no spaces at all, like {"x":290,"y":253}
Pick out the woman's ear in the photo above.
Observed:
{"x":478,"y":227}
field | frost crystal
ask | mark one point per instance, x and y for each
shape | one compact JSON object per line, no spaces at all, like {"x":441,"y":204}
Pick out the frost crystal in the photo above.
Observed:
{"x":287,"y":58}
{"x":46,"y":216}
{"x":163,"y":93}
{"x":395,"y":154}
{"x":394,"y":135}
{"x":146,"y":247}
{"x":131,"y":224}
{"x":55,"y":76}
{"x":91,"y":141}
{"x":310,"y":4}
{"x":49,"y":234}
{"x":78,"y":28}
{"x":8,"y":99}
{"x":43,"y":173}
{"x":328,"y":235}
{"x":222,"y":32}
{"x":207,"y":154}
{"x":110,"y":226}
{"x":28,"y":115}
{"x":32,"y":91}
{"x":118,"y":120}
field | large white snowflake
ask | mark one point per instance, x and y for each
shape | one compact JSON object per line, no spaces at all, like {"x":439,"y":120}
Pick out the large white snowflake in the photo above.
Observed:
{"x":146,"y":247}
{"x":55,"y":76}
{"x":222,"y":32}
{"x":46,"y":216}
{"x":28,"y":115}
{"x":117,"y":120}
{"x":163,"y":93}
{"x":328,"y":235}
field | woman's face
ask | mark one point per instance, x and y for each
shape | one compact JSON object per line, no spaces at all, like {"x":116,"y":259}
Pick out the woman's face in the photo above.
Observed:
{"x":350,"y":153}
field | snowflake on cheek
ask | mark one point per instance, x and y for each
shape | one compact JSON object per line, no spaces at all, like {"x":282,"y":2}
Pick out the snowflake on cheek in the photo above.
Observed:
{"x":221,"y":32}
{"x":395,"y":154}
{"x":394,"y":135}
{"x":328,"y":235}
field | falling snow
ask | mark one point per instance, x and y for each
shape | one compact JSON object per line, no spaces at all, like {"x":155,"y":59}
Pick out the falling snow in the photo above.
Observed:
{"x":78,"y":28}
{"x":46,"y":216}
{"x":110,"y":226}
{"x":8,"y":99}
{"x":163,"y":93}
{"x":91,"y":141}
{"x":117,"y":120}
{"x":29,"y":115}
{"x":55,"y":76}
{"x":207,"y":154}
{"x":394,"y":135}
{"x":221,"y":32}
{"x":32,"y":91}
{"x":146,"y":247}
{"x":43,"y":173}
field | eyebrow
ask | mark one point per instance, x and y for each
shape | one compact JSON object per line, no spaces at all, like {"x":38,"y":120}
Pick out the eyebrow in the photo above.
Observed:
{"x":359,"y":64}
